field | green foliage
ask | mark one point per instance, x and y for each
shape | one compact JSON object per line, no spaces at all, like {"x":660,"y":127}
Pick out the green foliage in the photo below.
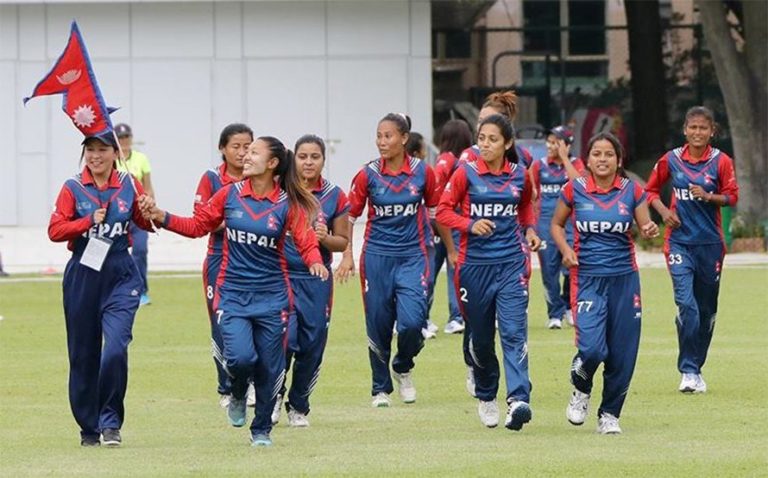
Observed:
{"x":742,"y":227}
{"x":174,"y":426}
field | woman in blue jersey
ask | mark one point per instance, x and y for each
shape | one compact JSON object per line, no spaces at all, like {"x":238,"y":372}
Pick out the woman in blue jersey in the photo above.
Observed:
{"x":233,"y":146}
{"x":394,"y":265}
{"x":549,"y":174}
{"x":101,"y":286}
{"x":253,"y":298}
{"x":605,"y":284}
{"x":496,"y":223}
{"x":702,"y":181}
{"x":313,"y":298}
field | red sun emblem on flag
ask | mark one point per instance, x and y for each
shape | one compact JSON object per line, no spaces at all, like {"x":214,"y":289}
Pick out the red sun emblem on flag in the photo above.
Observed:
{"x":637,"y":301}
{"x":623,"y":209}
{"x":122,"y":206}
{"x":271,"y":223}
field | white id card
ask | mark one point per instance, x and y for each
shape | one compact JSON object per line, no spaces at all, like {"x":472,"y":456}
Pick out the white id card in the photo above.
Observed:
{"x":95,"y":252}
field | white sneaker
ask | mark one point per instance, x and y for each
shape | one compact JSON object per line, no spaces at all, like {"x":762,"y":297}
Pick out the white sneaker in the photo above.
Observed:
{"x":689,"y":383}
{"x":250,"y":396}
{"x":405,"y":387}
{"x":297,"y":419}
{"x":432,"y":327}
{"x":278,"y":408}
{"x":454,"y":327}
{"x":607,"y":424}
{"x":518,"y":414}
{"x":381,"y":400}
{"x":224,"y":400}
{"x":489,"y":413}
{"x":701,"y":385}
{"x":470,"y":381}
{"x":578,"y":407}
{"x":554,"y":324}
{"x":569,"y":318}
{"x":428,"y":334}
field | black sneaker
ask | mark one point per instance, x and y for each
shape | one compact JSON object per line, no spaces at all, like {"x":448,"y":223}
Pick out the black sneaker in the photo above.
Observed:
{"x":91,"y":440}
{"x":111,"y":437}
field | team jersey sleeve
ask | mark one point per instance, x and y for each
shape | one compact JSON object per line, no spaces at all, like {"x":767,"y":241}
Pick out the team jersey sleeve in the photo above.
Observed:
{"x":535,"y":177}
{"x":358,"y":195}
{"x":443,"y":169}
{"x":342,"y":204}
{"x":304,"y":236}
{"x":526,"y":158}
{"x":63,"y":226}
{"x":205,"y":219}
{"x":659,"y":176}
{"x":727,"y":178}
{"x":639,"y":193}
{"x":579,"y":165}
{"x":526,"y":215}
{"x":453,"y":195}
{"x":136,"y":215}
{"x":431,"y":194}
{"x":204,"y":191}
{"x":566,"y":194}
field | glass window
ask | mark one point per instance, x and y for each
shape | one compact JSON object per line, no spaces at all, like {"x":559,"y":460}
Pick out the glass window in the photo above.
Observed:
{"x":541,"y":14}
{"x":587,"y":13}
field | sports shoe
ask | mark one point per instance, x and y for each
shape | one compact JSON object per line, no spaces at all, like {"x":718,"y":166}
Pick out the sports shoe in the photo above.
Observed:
{"x":489,"y":413}
{"x":470,"y":383}
{"x":689,"y":383}
{"x":250,"y":396}
{"x":428,"y":334}
{"x":144,"y":300}
{"x":454,"y":326}
{"x":701,"y":385}
{"x":569,"y":318}
{"x":607,"y":424}
{"x":554,"y":324}
{"x":518,"y":414}
{"x":297,"y":419}
{"x":89,"y":441}
{"x":111,"y":437}
{"x":406,"y":387}
{"x":260,"y":439}
{"x":432,"y":327}
{"x":236,"y":412}
{"x":381,"y":400}
{"x":578,"y":407}
{"x":277,"y":409}
{"x":224,"y":400}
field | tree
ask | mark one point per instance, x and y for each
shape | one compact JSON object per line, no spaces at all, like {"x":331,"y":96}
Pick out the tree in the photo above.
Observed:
{"x":742,"y":70}
{"x":646,"y":66}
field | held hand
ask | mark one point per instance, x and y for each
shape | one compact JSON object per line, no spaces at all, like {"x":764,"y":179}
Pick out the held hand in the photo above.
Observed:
{"x":483,"y":227}
{"x":99,"y":215}
{"x":146,"y":203}
{"x":453,"y":257}
{"x":570,"y":259}
{"x":157,"y":215}
{"x":346,"y":268}
{"x":697,"y":192}
{"x":670,"y":219}
{"x":534,"y":242}
{"x":321,"y":231}
{"x":319,"y":270}
{"x":649,"y":230}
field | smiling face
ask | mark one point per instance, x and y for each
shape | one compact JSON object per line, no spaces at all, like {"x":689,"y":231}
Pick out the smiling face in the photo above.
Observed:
{"x":259,"y":159}
{"x":552,"y":146}
{"x":603,"y":161}
{"x":99,"y":157}
{"x":698,"y":131}
{"x":309,"y":161}
{"x":389,"y":140}
{"x":235,"y":150}
{"x":491,"y":142}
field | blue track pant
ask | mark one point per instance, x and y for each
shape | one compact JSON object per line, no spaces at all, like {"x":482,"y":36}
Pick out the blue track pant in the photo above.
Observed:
{"x":139,"y":240}
{"x":394,"y":288}
{"x":253,"y":327}
{"x":497,"y":292}
{"x":695,"y":271}
{"x":440,"y":257}
{"x":99,"y":308}
{"x":551,"y":262}
{"x":211,"y":268}
{"x":607,"y":313}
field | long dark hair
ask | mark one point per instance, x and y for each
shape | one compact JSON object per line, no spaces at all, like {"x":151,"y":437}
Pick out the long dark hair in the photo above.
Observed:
{"x":455,"y":137}
{"x":231,"y":130}
{"x":507,"y":132}
{"x":289,"y":178}
{"x":620,"y":154}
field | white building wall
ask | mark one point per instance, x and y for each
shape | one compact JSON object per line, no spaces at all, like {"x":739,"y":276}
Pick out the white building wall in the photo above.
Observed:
{"x":180,"y":71}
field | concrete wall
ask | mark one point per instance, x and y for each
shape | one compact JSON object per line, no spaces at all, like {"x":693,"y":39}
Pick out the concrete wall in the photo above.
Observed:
{"x":181,"y":71}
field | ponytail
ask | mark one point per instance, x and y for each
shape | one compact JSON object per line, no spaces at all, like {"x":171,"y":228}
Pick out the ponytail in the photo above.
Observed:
{"x":505,"y":102}
{"x":289,"y":178}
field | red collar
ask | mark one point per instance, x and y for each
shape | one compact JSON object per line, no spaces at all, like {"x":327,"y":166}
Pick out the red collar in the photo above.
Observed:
{"x":226,"y":178}
{"x":686,"y":154}
{"x":320,"y":185}
{"x":405,"y":169}
{"x":87,"y":178}
{"x":482,"y":168}
{"x":273,"y":195}
{"x":594,"y":188}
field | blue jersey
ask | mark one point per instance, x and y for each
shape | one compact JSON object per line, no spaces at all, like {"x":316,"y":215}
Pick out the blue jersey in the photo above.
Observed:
{"x":397,"y":218}
{"x":333,"y":203}
{"x":255,"y":228}
{"x":602,"y":222}
{"x":699,"y":220}
{"x":549,"y":178}
{"x":79,"y":198}
{"x":503,"y":197}
{"x":210,"y":183}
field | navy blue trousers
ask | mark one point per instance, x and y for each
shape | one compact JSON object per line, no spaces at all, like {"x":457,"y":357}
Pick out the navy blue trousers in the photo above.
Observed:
{"x":440,"y":257}
{"x":99,"y":309}
{"x":607,"y":314}
{"x":551,"y":262}
{"x":211,"y":268}
{"x":139,"y":240}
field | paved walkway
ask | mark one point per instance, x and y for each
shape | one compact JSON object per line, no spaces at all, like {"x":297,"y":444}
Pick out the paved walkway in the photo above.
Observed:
{"x":27,"y":249}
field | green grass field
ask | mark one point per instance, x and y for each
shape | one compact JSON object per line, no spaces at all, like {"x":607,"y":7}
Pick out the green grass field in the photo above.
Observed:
{"x":174,"y":426}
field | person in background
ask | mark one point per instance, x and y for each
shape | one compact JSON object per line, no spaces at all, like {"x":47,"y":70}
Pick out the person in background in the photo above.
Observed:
{"x":137,"y":164}
{"x":416,"y":147}
{"x":703,"y":181}
{"x":549,"y":174}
